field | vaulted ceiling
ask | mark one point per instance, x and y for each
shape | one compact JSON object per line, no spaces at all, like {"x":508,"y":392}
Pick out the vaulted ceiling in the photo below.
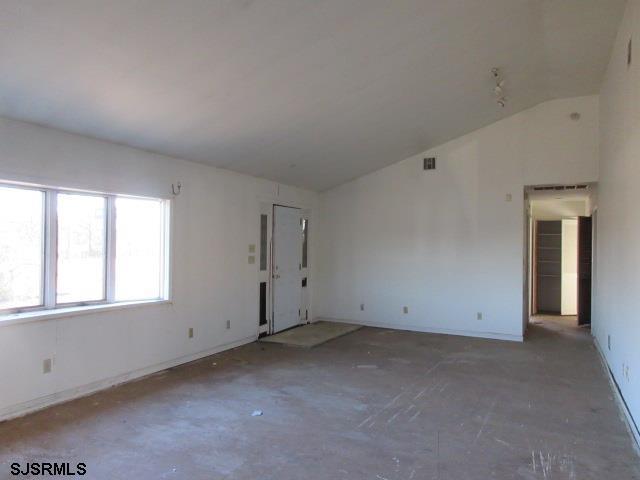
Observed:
{"x":306,"y":92}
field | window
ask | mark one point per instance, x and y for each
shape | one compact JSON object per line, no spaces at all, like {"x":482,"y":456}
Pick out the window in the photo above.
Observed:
{"x":82,"y":248}
{"x":21,"y":248}
{"x":263,"y":242}
{"x":139,"y":249}
{"x":60,"y":248}
{"x":305,"y":241}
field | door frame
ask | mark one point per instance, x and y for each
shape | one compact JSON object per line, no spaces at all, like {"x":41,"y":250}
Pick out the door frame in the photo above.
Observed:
{"x":529,"y":306}
{"x":264,"y":276}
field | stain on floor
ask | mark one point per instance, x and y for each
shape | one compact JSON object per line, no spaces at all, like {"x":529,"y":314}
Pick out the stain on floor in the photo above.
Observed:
{"x":424,"y":407}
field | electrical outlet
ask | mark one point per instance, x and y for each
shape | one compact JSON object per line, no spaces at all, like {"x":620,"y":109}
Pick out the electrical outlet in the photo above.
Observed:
{"x":252,"y":259}
{"x":190,"y":332}
{"x":228,"y":324}
{"x":609,"y":342}
{"x":362,"y":307}
{"x":479,"y":316}
{"x":46,"y":365}
{"x":509,"y":197}
{"x":405,"y":310}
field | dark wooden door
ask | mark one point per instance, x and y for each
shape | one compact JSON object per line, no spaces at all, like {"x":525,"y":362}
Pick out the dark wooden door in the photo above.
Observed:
{"x":584,"y":270}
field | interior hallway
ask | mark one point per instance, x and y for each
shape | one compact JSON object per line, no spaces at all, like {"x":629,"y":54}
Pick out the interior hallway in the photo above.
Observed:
{"x":374,"y":404}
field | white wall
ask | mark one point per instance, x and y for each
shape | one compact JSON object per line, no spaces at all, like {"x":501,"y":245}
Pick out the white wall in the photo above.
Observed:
{"x":617,"y":268}
{"x":446,"y":243}
{"x":569,"y":282}
{"x":216,"y":217}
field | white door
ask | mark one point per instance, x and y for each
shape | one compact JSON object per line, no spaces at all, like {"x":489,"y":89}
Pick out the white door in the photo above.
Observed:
{"x":287,"y":255}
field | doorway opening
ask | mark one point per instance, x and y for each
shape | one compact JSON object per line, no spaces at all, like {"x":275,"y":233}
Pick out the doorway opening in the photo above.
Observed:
{"x":559,"y":236}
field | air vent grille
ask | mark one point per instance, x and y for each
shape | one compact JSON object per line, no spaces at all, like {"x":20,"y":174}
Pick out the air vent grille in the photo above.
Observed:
{"x":560,"y":187}
{"x":430,"y":163}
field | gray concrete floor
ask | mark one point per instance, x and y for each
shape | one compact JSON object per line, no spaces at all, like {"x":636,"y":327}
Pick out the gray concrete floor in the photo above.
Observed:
{"x":374,"y":404}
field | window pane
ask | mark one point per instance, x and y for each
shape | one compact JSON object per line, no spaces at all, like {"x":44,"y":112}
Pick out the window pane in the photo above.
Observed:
{"x":139,"y":248}
{"x":81,"y":248}
{"x":21,"y":247}
{"x":263,"y":242}
{"x":305,"y":242}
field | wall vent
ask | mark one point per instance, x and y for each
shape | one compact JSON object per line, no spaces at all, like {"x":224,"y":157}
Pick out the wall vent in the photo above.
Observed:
{"x":429,"y":163}
{"x":560,"y":187}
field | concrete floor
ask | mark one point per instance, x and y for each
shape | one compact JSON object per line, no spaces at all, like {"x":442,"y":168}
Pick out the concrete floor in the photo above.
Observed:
{"x":374,"y":404}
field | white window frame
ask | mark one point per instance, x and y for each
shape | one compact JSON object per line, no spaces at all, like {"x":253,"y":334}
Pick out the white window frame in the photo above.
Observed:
{"x":50,"y":250}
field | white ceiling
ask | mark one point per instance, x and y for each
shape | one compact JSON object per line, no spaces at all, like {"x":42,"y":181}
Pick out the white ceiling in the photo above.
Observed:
{"x":306,"y":92}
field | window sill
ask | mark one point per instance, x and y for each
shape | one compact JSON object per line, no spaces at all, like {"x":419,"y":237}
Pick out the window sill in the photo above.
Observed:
{"x":40,"y":315}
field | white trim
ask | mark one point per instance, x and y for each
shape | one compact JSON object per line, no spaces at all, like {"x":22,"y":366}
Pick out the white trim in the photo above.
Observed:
{"x":41,"y":315}
{"x":630,"y":423}
{"x":50,"y":258}
{"x":423,"y":329}
{"x":110,"y":239}
{"x":166,"y":267}
{"x":82,"y":391}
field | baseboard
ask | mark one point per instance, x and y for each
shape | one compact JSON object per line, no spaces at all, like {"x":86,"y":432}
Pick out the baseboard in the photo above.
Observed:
{"x":84,"y":390}
{"x":632,"y":426}
{"x":423,"y":329}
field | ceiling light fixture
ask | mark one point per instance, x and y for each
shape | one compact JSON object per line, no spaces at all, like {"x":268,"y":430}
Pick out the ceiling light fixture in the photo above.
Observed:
{"x":498,"y":90}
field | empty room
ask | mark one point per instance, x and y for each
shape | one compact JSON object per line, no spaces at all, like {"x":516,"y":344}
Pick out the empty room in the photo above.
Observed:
{"x":329,"y":239}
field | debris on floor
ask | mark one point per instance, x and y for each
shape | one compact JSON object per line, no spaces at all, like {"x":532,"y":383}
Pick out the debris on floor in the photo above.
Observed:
{"x":257,"y":413}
